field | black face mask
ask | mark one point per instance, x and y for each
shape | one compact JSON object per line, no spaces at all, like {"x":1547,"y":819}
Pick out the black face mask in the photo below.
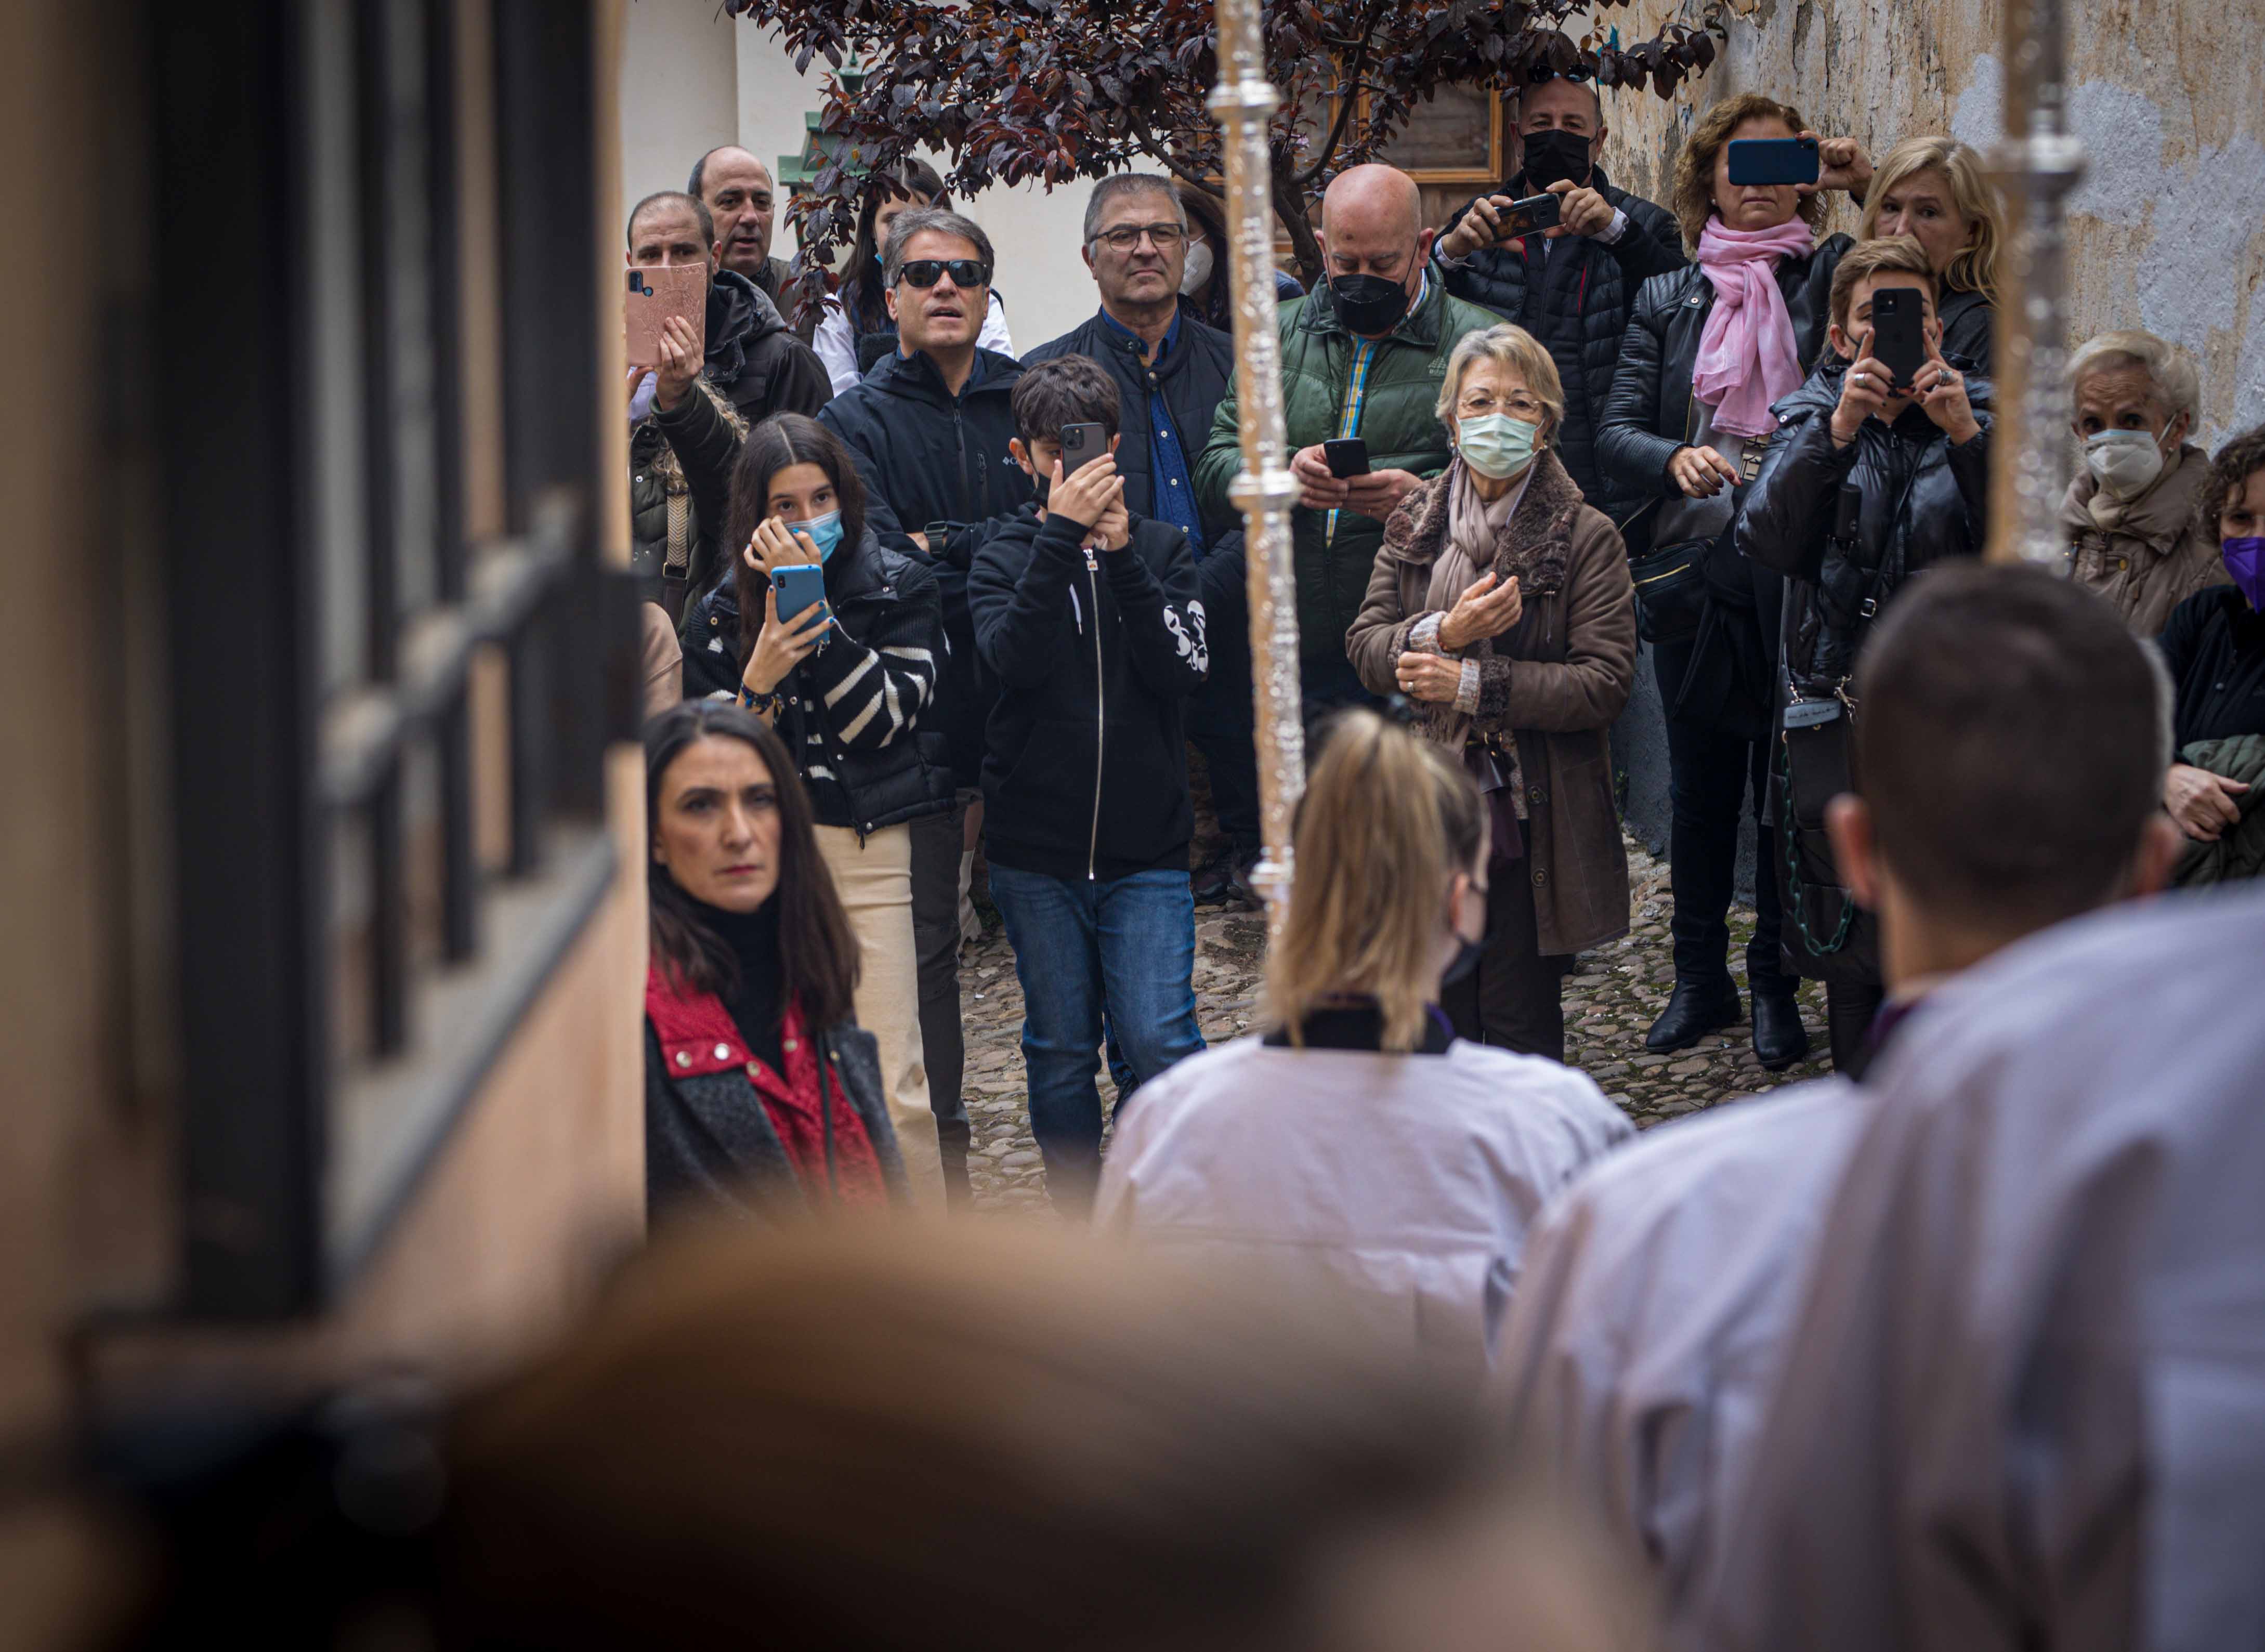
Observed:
{"x":1553,"y":156}
{"x":1369,"y":305}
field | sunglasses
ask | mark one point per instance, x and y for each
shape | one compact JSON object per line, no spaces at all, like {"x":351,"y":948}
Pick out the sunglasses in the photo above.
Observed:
{"x":925,"y":272}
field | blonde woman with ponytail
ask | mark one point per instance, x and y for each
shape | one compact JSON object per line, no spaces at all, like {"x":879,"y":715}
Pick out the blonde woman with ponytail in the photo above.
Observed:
{"x":1359,"y":1151}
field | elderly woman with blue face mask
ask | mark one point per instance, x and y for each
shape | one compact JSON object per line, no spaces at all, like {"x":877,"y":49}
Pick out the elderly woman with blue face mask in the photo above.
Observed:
{"x":1500,"y":605}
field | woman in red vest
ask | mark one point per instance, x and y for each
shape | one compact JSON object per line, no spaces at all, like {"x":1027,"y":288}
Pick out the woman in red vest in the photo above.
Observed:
{"x":762,"y":1093}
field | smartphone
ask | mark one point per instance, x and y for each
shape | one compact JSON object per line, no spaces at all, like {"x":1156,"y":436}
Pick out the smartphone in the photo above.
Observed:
{"x":1774,"y":160}
{"x":798,"y":586}
{"x":1536,"y":212}
{"x":1345,"y":456}
{"x":1081,"y":446}
{"x":655,"y":293}
{"x":1899,"y":332}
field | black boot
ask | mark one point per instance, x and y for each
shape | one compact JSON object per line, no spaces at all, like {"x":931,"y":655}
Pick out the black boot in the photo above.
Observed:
{"x":1694,"y":1010}
{"x":1779,"y":1039}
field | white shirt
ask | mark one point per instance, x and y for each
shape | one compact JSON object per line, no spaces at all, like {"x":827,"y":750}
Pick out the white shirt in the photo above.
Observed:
{"x":2028,"y":1380}
{"x":1658,"y":1290}
{"x":1399,"y":1186}
{"x":837,"y":346}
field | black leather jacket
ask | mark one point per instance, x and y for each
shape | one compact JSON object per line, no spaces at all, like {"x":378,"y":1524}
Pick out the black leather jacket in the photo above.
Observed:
{"x":1648,"y":416}
{"x":870,"y":758}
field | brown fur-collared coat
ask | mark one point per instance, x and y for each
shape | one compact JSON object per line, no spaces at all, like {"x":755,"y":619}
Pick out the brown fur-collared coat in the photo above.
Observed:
{"x":1555,"y":682}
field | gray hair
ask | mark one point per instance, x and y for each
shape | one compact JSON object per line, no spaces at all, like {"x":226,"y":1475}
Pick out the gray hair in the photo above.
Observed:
{"x":1130,"y":184}
{"x":2177,"y":385}
{"x":1518,"y":350}
{"x":908,"y":224}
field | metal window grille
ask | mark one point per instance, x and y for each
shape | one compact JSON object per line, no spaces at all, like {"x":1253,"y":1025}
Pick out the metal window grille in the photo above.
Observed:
{"x":349,"y":966}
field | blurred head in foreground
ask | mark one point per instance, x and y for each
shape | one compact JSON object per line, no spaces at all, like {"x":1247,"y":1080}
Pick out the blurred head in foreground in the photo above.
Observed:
{"x":854,"y":1441}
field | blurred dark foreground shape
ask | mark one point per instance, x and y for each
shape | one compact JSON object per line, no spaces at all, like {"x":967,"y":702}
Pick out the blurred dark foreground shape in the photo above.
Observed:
{"x":901,"y":1437}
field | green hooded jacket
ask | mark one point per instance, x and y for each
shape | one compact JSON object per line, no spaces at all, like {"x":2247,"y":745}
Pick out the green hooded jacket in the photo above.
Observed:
{"x":1397,"y":422}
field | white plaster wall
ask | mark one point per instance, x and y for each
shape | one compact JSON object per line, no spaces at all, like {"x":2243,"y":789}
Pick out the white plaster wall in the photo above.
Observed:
{"x":2169,"y":230}
{"x":679,"y":93}
{"x":1042,"y":280}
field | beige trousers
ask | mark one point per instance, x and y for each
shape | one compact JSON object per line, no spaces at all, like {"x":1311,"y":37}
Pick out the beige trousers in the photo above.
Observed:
{"x":875,"y":881}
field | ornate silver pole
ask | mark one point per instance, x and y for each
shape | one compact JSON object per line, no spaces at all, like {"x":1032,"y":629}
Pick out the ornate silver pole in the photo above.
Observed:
{"x":1242,"y":102}
{"x":2037,"y":164}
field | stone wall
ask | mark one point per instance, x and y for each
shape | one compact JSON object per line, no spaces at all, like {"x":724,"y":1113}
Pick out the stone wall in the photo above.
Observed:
{"x":2167,"y":231}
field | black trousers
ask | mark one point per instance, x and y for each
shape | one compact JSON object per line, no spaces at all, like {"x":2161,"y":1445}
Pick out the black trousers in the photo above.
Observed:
{"x":1515,"y":998}
{"x":1710,"y":776}
{"x":935,"y":939}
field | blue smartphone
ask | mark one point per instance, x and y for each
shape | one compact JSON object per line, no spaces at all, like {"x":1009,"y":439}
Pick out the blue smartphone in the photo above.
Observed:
{"x":798,"y":586}
{"x":1774,"y":160}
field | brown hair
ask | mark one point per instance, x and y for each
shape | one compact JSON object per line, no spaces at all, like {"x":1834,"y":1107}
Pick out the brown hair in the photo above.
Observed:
{"x":912,"y":179}
{"x":781,"y":440}
{"x":1388,"y":820}
{"x":1890,"y":255}
{"x":1973,"y":197}
{"x":1693,"y":193}
{"x":2243,"y":456}
{"x":965,"y":1441}
{"x":2010,"y":740}
{"x":817,"y":951}
{"x":1061,"y":391}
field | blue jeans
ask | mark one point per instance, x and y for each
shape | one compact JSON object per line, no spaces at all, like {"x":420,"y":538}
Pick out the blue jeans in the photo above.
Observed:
{"x":1124,"y":945}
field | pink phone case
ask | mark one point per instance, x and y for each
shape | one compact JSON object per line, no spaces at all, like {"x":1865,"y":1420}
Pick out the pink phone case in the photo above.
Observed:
{"x":653,"y":294}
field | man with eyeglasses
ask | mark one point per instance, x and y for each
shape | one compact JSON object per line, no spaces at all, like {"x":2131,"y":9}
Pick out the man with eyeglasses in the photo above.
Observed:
{"x":929,"y":429}
{"x":1176,"y":367}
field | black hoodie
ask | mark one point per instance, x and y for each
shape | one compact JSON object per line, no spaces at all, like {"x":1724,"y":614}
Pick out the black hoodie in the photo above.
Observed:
{"x":1084,"y":773}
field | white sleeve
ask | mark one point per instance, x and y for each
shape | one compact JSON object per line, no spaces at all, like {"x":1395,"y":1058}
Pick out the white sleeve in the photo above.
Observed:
{"x":994,"y":336}
{"x":836,"y":347}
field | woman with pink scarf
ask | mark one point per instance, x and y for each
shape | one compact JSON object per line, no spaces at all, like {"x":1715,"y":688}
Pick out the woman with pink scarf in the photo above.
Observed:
{"x":1708,"y":349}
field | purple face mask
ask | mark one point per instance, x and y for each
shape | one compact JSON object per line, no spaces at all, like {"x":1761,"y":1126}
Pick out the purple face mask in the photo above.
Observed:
{"x":2245,"y":565}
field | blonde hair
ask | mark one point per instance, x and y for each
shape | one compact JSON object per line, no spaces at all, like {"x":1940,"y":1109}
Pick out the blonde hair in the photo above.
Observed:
{"x":1890,"y":255}
{"x":1692,"y":196}
{"x":2177,"y":385}
{"x":1388,"y":820}
{"x":1522,"y":354}
{"x":1973,"y":197}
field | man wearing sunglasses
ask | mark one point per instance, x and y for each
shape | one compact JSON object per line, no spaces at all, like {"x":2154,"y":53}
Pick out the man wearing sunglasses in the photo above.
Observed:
{"x":1176,"y":369}
{"x":930,"y":427}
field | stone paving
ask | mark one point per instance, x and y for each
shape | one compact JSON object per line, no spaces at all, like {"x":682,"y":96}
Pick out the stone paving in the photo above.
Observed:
{"x":1610,"y":1001}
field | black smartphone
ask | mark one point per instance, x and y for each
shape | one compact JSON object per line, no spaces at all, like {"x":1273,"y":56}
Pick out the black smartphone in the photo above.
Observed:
{"x":1536,"y":212}
{"x":1345,"y":456}
{"x":1774,"y":160}
{"x":1081,"y":446}
{"x":1899,"y":332}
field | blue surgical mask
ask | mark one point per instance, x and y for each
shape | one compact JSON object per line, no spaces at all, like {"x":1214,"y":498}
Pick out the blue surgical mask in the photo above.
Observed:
{"x":825,"y":532}
{"x":1496,"y":446}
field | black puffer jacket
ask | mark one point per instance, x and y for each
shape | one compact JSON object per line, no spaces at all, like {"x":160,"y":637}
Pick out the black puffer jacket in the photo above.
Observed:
{"x":1194,"y":375}
{"x":1086,"y":775}
{"x":1649,"y":415}
{"x":857,"y":712}
{"x":680,"y":460}
{"x":1970,"y":331}
{"x":1575,"y":300}
{"x":938,"y":463}
{"x":1924,"y":501}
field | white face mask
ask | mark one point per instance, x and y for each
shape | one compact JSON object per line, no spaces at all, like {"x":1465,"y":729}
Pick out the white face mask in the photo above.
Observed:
{"x":1198,"y":268}
{"x":2123,"y":461}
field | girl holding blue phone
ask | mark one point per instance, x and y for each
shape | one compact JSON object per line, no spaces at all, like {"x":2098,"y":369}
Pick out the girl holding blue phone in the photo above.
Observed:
{"x":835,"y":641}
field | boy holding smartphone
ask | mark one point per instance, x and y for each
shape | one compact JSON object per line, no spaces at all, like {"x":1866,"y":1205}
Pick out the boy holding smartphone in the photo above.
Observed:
{"x":1088,"y":618}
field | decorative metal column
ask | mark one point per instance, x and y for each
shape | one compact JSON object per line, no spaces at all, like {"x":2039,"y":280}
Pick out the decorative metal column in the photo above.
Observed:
{"x":2037,"y":164}
{"x":1243,"y":101}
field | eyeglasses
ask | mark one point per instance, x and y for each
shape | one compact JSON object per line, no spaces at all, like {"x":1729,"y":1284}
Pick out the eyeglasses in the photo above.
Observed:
{"x":1125,"y":236}
{"x":925,"y":272}
{"x":1517,"y":405}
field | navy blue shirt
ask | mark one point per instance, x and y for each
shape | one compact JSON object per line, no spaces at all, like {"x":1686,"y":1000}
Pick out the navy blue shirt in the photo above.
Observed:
{"x":1175,"y":490}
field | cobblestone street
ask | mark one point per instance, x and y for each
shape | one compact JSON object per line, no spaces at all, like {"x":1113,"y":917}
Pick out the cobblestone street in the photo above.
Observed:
{"x":1614,"y":995}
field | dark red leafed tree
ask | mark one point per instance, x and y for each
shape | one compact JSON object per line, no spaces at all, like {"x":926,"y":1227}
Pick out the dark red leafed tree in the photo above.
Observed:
{"x":1009,"y":91}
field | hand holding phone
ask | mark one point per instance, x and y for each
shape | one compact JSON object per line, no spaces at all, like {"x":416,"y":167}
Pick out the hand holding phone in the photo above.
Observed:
{"x":783,"y":644}
{"x":1081,"y":446}
{"x":654,"y":293}
{"x":1534,"y":213}
{"x":1899,"y":332}
{"x":1345,"y":456}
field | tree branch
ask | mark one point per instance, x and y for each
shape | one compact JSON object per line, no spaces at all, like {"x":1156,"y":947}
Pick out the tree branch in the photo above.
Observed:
{"x":1352,"y":96}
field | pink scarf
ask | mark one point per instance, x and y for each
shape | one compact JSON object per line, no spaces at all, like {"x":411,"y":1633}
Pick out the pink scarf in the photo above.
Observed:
{"x":1746,"y":354}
